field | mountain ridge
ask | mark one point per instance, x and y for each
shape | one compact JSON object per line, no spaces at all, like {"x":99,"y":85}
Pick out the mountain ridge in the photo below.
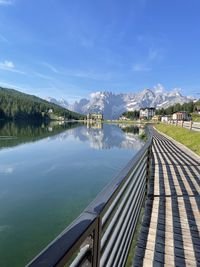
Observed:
{"x":113,"y":105}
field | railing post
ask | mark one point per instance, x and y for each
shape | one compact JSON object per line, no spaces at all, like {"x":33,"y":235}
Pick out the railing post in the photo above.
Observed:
{"x":182,"y":123}
{"x":97,"y":243}
{"x":148,"y":166}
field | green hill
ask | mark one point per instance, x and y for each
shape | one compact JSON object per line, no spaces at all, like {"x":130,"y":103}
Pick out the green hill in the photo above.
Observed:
{"x":15,"y":105}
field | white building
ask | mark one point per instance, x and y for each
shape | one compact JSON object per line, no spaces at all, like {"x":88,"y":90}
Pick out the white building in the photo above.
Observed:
{"x":123,"y":118}
{"x":181,"y":116}
{"x":95,"y":117}
{"x":198,"y":109}
{"x":50,"y":110}
{"x":147,"y":113}
{"x":166,"y":118}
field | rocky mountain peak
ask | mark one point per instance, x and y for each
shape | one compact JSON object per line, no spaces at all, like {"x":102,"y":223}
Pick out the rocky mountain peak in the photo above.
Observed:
{"x":113,"y":105}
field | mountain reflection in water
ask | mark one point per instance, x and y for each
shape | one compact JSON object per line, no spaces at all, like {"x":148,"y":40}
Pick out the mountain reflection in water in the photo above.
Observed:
{"x":100,"y":136}
{"x":105,"y":137}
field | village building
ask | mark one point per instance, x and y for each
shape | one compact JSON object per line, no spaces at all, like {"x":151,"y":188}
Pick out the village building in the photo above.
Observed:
{"x":197,"y":110}
{"x":94,"y":117}
{"x":147,"y":113}
{"x":181,"y":116}
{"x":166,"y":118}
{"x":61,"y":118}
{"x":124,"y":118}
{"x":156,"y":118}
{"x":50,"y":110}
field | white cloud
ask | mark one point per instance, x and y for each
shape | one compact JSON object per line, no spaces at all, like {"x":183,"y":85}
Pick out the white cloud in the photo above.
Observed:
{"x":49,"y":66}
{"x":92,"y":75}
{"x":159,"y":88}
{"x":9,"y":66}
{"x":86,"y":74}
{"x":43,"y":76}
{"x":177,"y":90}
{"x":10,"y":85}
{"x":6,"y":2}
{"x":95,"y":94}
{"x":89,"y":74}
{"x":6,"y":169}
{"x":140,"y":67}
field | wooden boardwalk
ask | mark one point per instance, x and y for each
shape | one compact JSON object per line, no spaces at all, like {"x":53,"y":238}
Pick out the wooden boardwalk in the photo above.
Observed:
{"x":170,"y":232}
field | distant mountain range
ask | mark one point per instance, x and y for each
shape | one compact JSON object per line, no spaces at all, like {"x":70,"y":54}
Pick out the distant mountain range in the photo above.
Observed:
{"x":113,"y":105}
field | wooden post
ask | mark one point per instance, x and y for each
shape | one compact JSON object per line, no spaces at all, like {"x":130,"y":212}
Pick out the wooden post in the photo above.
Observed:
{"x":182,"y":123}
{"x":190,"y":125}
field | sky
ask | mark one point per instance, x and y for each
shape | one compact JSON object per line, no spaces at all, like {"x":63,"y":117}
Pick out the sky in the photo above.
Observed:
{"x":71,"y":48}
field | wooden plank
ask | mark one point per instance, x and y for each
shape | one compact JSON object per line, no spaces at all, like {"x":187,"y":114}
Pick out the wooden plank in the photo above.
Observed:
{"x":173,"y":233}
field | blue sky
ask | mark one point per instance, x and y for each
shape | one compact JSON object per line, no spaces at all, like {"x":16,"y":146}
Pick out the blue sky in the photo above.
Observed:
{"x":70,"y":48}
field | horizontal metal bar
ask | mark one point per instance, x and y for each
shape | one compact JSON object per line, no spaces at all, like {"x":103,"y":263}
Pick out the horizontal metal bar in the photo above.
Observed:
{"x":124,"y":231}
{"x":124,"y":187}
{"x":130,"y":191}
{"x":82,"y":256}
{"x":121,"y":223}
{"x":132,"y":231}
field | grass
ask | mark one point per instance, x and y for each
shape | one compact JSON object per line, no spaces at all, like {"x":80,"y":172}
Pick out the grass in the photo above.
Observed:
{"x":132,"y":249}
{"x":143,"y":137}
{"x":190,"y":139}
{"x":195,"y":117}
{"x":123,"y":121}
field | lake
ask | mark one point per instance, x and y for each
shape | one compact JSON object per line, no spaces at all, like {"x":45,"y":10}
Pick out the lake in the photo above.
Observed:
{"x":49,"y":174}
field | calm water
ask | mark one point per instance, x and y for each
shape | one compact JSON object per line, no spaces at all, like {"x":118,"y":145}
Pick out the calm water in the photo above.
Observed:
{"x":48,"y":175}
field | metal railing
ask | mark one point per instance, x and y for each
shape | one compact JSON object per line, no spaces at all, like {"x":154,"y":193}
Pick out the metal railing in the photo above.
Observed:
{"x":102,"y":234}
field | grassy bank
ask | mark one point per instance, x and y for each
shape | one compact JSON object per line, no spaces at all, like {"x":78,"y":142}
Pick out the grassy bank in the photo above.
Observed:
{"x":190,"y":139}
{"x":123,"y":121}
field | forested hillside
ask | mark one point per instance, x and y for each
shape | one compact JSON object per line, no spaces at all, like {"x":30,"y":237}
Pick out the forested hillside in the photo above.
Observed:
{"x":132,"y":115}
{"x":189,"y":107}
{"x":16,"y":105}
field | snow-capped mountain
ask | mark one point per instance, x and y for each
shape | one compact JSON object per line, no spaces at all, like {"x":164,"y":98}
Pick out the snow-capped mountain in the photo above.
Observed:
{"x":113,"y":105}
{"x":61,"y":102}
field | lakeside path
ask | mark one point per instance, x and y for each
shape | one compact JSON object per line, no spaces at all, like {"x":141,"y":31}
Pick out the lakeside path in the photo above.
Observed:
{"x":170,"y":231}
